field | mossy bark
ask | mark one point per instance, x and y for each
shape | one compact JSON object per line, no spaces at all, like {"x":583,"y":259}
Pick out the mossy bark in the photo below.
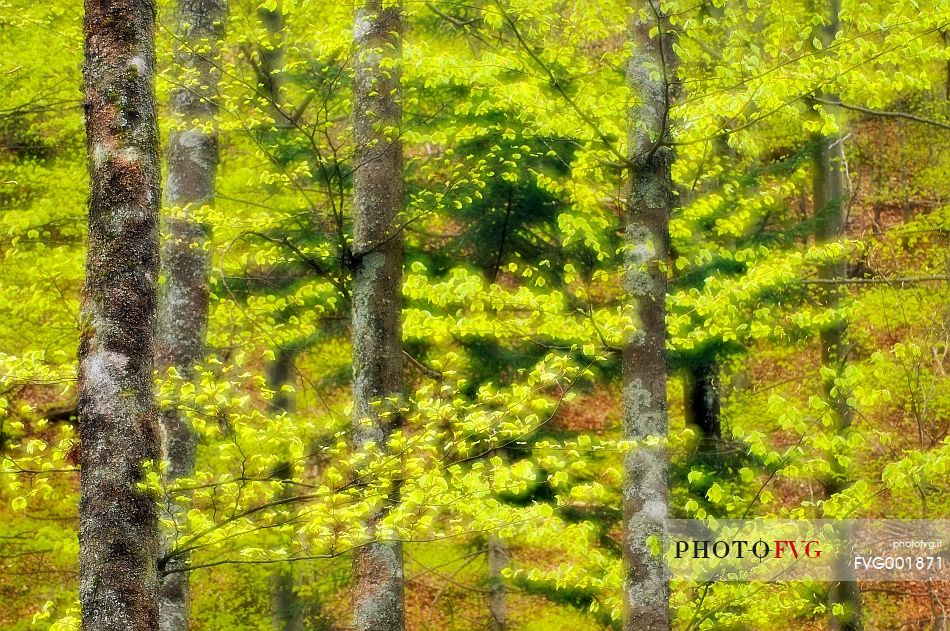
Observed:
{"x":377,"y":288}
{"x":650,"y":203}
{"x":118,"y":420}
{"x":183,"y":318}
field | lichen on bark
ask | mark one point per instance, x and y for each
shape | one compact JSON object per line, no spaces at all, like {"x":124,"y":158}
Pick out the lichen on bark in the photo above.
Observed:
{"x":192,"y":163}
{"x":118,"y":424}
{"x":377,"y":289}
{"x":646,"y":249}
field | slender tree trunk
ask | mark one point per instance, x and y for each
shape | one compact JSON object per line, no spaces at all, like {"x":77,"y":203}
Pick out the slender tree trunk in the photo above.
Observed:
{"x":290,"y":612}
{"x":286,"y":603}
{"x":830,"y":192}
{"x":280,"y":373}
{"x":272,"y":53}
{"x":183,"y":318}
{"x":377,"y":287}
{"x":937,"y":610}
{"x":498,"y":558}
{"x":118,"y":420}
{"x":830,"y":195}
{"x":702,"y":401}
{"x":645,"y":494}
{"x":270,"y":72}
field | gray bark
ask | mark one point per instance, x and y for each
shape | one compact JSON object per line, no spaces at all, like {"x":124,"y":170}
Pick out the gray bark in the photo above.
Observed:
{"x":498,"y":559}
{"x":644,"y":409}
{"x":377,"y":287}
{"x":118,"y":420}
{"x":183,"y":318}
{"x":830,"y":196}
{"x":830,"y":199}
{"x":830,"y":193}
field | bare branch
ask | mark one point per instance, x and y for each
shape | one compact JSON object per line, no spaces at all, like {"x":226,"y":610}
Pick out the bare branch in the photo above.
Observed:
{"x":884,"y":113}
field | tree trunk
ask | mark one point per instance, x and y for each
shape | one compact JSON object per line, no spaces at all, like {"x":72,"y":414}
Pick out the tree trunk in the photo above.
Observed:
{"x":498,"y":558}
{"x":118,"y":420}
{"x":830,"y":196}
{"x":937,"y":609}
{"x":183,"y":318}
{"x":286,"y":603}
{"x":645,"y":588}
{"x":377,"y":288}
{"x":830,"y":192}
{"x":270,"y":72}
{"x":280,"y":373}
{"x":287,"y":606}
{"x":702,"y":401}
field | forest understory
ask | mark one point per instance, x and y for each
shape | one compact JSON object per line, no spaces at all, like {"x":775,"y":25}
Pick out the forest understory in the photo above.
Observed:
{"x":393,"y":315}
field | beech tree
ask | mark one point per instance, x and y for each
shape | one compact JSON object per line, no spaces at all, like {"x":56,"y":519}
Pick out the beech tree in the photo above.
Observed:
{"x":189,"y":187}
{"x":830,"y":198}
{"x":377,"y":289}
{"x":118,"y":419}
{"x":508,"y":420}
{"x":651,"y":77}
{"x":498,"y":560}
{"x":286,"y":603}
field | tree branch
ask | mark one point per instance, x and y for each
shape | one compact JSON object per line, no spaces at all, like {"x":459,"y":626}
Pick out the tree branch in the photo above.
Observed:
{"x":883,"y":113}
{"x":907,"y":280}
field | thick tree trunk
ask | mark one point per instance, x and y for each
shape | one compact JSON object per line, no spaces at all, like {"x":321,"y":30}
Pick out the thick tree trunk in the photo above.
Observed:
{"x":377,"y":287}
{"x":183,"y":318}
{"x":645,"y":495}
{"x":118,"y":420}
{"x":498,"y":558}
{"x":830,"y":193}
